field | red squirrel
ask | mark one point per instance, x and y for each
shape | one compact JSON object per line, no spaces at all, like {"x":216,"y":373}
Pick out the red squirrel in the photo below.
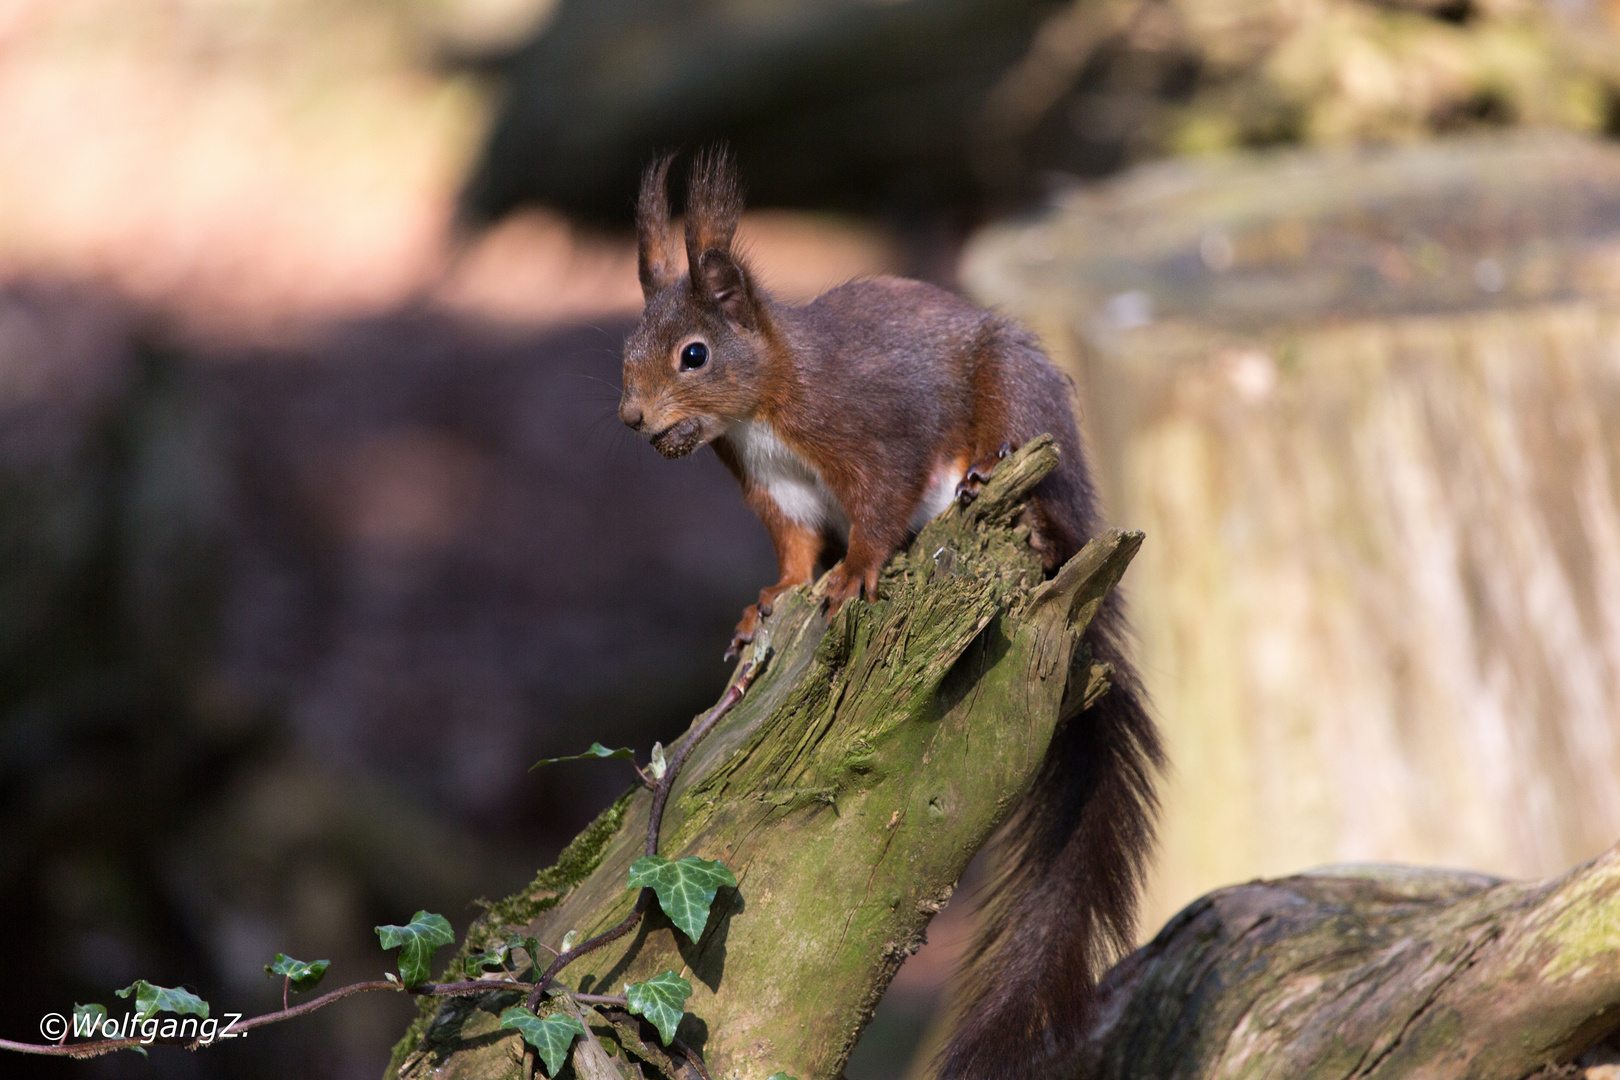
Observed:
{"x":857,"y":417}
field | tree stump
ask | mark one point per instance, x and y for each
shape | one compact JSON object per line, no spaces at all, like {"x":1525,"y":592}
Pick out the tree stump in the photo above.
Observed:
{"x":874,"y":756}
{"x":1367,"y":408}
{"x":847,"y":792}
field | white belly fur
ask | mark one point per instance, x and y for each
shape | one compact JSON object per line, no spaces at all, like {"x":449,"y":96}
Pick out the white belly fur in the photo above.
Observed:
{"x":792,"y":481}
{"x":940,"y":494}
{"x":801,"y":493}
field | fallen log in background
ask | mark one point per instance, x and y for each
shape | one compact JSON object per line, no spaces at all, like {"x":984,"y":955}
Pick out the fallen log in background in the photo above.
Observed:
{"x":847,"y":791}
{"x":1371,"y":971}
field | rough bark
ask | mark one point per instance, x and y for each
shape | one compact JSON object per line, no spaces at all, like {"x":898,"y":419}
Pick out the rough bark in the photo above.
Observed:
{"x":876,"y":754}
{"x":1366,"y":408}
{"x":847,"y":792}
{"x":1371,"y":971}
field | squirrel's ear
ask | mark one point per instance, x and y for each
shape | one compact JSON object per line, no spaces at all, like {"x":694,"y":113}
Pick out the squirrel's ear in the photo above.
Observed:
{"x":721,"y":281}
{"x":713,"y":208}
{"x":655,"y":253}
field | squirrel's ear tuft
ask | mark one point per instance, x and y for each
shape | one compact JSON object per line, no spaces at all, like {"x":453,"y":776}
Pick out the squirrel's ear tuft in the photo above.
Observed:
{"x":655,"y":252}
{"x":713,"y":205}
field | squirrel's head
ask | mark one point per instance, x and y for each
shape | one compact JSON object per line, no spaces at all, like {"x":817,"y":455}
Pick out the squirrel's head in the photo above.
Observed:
{"x":694,"y":364}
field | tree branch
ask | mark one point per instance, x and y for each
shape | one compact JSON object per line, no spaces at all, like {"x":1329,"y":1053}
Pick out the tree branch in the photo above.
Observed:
{"x":847,"y":791}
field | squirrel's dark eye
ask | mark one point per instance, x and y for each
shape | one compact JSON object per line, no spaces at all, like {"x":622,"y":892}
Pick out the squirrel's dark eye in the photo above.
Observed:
{"x":694,"y":356}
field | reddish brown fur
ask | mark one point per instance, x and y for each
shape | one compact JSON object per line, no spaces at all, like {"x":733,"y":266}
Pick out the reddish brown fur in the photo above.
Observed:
{"x":875,"y":385}
{"x":655,"y":255}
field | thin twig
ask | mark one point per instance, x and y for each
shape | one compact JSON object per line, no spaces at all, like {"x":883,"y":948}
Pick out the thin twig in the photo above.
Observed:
{"x":319,"y":1003}
{"x":107,"y":1046}
{"x":694,"y":1058}
{"x":72,"y":1050}
{"x":616,"y":1000}
{"x":458,"y":989}
{"x":733,"y":694}
{"x":589,"y":945}
{"x":655,"y":818}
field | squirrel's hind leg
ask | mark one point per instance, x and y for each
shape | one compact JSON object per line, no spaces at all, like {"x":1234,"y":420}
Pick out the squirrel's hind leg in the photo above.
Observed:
{"x":978,"y":473}
{"x":872,"y":539}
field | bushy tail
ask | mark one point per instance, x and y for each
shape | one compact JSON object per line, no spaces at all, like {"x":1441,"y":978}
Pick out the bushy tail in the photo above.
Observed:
{"x":1072,"y":861}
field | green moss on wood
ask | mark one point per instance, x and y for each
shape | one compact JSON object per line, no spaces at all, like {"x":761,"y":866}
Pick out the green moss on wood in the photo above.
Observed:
{"x":574,"y":864}
{"x":847,"y":791}
{"x":1586,"y":929}
{"x":409,"y":1041}
{"x":1374,"y":972}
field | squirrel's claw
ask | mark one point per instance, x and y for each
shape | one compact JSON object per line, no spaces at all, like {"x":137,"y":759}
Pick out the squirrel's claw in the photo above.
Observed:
{"x":751,"y":618}
{"x":846,"y":584}
{"x":745,"y":631}
{"x":978,"y":474}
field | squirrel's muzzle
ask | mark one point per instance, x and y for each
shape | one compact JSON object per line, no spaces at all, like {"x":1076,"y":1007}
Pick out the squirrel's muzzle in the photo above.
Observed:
{"x":630,"y":413}
{"x":679,"y":439}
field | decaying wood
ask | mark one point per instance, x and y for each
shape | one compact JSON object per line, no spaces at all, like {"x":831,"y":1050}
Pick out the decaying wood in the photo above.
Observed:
{"x":1371,"y":971}
{"x":851,"y":786}
{"x":847,"y":792}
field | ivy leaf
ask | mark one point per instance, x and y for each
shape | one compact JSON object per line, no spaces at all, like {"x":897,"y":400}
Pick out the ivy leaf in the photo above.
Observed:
{"x":151,"y":1000}
{"x":657,"y":765}
{"x":661,"y":999}
{"x":569,"y":940}
{"x":550,"y":1037}
{"x":595,"y":750}
{"x":475,"y":964}
{"x":685,"y":889}
{"x":87,"y":1019}
{"x":530,"y":945}
{"x":416,"y":942}
{"x":299,"y":975}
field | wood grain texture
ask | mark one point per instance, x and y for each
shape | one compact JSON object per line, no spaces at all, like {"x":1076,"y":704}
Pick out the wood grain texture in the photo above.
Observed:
{"x":1370,"y":971}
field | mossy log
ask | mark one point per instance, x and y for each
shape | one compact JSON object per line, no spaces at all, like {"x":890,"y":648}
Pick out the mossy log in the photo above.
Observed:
{"x":876,"y":754}
{"x":1371,"y":971}
{"x":847,"y":791}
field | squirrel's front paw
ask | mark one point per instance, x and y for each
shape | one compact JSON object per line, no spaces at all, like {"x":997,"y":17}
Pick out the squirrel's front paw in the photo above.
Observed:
{"x":973,"y":481}
{"x":846,"y":584}
{"x":744,"y":632}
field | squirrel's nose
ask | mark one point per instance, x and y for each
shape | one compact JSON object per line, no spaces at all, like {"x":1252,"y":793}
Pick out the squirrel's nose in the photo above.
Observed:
{"x":630,"y":413}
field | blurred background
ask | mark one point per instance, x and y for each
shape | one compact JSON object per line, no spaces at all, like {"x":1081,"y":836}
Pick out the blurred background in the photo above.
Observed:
{"x":317,"y":526}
